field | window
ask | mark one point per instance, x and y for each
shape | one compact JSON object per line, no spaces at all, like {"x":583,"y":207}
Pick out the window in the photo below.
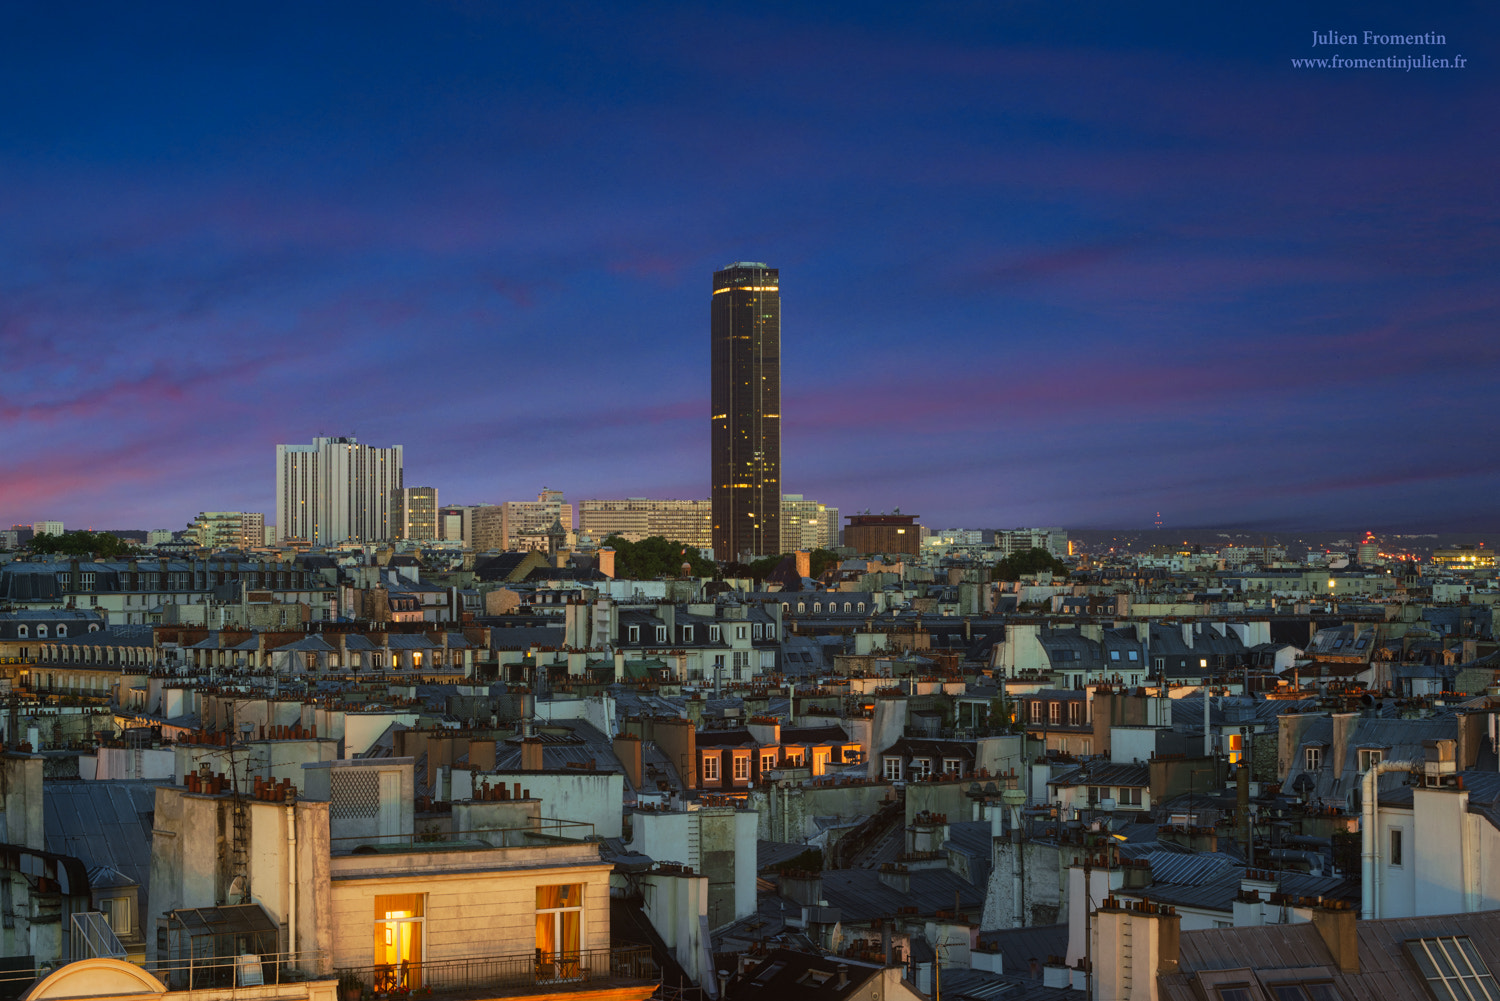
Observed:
{"x":635,"y":634}
{"x":1235,"y":994}
{"x":741,"y":767}
{"x":739,"y":632}
{"x":893,"y":769}
{"x":1299,"y":991}
{"x":661,"y":634}
{"x":1114,"y":655}
{"x":741,"y":663}
{"x":559,"y":932}
{"x":1313,"y":759}
{"x":1453,"y":968}
{"x":41,"y":632}
{"x":921,"y":767}
{"x":1128,"y":796}
{"x":687,"y":634}
{"x":710,"y":768}
{"x":116,"y":911}
{"x":768,"y":761}
{"x":1098,"y":793}
{"x":21,"y":632}
{"x":1075,"y":713}
{"x":1054,"y":713}
{"x":755,"y":631}
{"x":954,"y":767}
{"x":1135,"y":655}
{"x":848,"y":607}
{"x":801,"y":606}
{"x":1395,"y":856}
{"x":860,"y":607}
{"x":1036,"y":712}
{"x":399,"y":921}
{"x":1369,"y":757}
{"x":713,"y":634}
{"x":817,"y":606}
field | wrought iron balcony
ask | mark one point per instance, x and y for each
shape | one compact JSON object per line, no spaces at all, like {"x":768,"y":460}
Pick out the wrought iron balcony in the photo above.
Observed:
{"x":591,"y":969}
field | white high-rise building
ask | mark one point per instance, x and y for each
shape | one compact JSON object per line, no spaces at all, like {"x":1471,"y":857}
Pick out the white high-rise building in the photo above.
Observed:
{"x":336,"y":489}
{"x":806,"y":524}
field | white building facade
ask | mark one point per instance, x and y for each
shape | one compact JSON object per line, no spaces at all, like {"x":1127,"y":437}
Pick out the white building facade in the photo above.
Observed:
{"x":337,"y":489}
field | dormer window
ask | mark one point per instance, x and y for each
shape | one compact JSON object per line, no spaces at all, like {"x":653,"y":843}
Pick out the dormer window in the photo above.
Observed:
{"x":41,"y":632}
{"x":661,"y":634}
{"x":635,"y":634}
{"x":687,"y":634}
{"x":713,"y":634}
{"x":21,"y":632}
{"x":801,"y":606}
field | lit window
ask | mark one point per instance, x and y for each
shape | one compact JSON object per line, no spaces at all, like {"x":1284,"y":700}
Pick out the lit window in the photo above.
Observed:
{"x":741,"y":767}
{"x":711,"y":768}
{"x":559,"y":932}
{"x":767,"y":762}
{"x":399,"y":920}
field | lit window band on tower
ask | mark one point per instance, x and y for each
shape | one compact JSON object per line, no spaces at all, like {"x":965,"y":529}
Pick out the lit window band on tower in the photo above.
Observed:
{"x":746,"y":414}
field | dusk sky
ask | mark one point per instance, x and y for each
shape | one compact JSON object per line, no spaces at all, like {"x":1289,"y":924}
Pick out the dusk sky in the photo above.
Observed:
{"x":1059,"y":264}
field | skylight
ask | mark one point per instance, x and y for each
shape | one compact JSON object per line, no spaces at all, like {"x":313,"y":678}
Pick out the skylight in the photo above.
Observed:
{"x":1453,"y":969}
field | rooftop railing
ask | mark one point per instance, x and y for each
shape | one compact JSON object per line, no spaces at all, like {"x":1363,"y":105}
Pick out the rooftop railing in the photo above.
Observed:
{"x":522,"y":972}
{"x":543,"y":831}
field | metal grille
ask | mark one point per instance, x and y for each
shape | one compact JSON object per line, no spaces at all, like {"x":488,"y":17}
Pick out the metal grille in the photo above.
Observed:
{"x":353,"y":794}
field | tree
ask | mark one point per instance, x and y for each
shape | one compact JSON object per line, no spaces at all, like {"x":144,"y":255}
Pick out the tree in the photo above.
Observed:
{"x":821,"y":560}
{"x":1033,"y":561}
{"x":656,"y":557}
{"x":101,"y":545}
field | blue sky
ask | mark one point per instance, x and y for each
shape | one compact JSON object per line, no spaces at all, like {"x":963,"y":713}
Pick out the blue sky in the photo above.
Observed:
{"x":1040,"y":264}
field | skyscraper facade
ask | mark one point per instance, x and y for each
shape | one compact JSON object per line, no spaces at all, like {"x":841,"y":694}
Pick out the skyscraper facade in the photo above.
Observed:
{"x":746,"y":421}
{"x":336,"y":489}
{"x":416,"y":514}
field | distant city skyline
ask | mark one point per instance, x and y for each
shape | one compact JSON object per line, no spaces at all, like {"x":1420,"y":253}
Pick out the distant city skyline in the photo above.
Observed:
{"x":1052,"y":266}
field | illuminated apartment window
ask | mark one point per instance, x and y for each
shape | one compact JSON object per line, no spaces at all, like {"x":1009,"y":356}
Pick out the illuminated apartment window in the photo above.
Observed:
{"x":399,"y":922}
{"x":1453,"y":968}
{"x":559,"y":932}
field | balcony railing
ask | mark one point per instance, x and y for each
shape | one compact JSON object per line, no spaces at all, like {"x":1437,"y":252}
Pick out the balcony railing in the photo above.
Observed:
{"x":522,"y":972}
{"x":91,"y":937}
{"x":249,"y":970}
{"x":544,"y":831}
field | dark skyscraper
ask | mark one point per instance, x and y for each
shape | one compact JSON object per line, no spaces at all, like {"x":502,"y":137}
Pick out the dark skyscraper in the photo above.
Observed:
{"x":746,"y":368}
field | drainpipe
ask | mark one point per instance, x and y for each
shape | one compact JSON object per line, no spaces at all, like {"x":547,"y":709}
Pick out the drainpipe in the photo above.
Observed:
{"x":291,"y":880}
{"x":1369,"y":884}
